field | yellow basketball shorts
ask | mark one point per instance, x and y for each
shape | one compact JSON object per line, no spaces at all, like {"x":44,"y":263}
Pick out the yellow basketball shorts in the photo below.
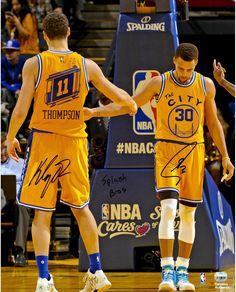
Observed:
{"x":180,"y":167}
{"x":51,"y":158}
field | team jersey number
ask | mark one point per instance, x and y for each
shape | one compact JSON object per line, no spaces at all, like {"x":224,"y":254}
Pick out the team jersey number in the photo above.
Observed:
{"x":184,"y":114}
{"x":183,"y":121}
{"x":63,"y":86}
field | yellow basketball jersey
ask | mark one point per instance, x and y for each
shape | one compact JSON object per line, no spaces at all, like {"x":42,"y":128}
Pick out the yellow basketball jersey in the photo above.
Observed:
{"x":180,"y":109}
{"x":60,"y":92}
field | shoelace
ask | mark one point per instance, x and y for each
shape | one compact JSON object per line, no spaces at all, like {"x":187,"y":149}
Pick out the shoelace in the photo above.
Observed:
{"x":90,"y":281}
{"x":182,"y":275}
{"x":49,"y":286}
{"x":168,"y":275}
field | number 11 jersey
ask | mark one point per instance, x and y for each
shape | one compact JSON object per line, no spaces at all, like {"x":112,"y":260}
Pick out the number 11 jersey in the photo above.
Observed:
{"x":60,"y":92}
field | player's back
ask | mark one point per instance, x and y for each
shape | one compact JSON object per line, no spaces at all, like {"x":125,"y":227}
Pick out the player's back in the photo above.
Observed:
{"x":60,"y":92}
{"x":180,"y":109}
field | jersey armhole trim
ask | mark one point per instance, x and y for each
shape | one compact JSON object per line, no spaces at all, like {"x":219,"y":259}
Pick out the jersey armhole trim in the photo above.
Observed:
{"x":39,"y":70}
{"x":163,"y":82}
{"x":85,"y":73}
{"x":203,"y":85}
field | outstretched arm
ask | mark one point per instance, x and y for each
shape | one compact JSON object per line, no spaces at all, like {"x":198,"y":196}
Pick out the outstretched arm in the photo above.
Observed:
{"x":150,"y":88}
{"x":219,"y":75}
{"x":111,"y":91}
{"x":22,"y":106}
{"x":216,"y":130}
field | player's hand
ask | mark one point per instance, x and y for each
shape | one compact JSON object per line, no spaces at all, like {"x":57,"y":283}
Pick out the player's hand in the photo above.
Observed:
{"x":133,"y":108}
{"x":218,"y":71}
{"x":228,"y":170}
{"x":12,"y":147}
{"x":88,"y":113}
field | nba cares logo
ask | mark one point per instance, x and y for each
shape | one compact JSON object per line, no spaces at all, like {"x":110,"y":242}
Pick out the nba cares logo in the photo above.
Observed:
{"x":145,"y":120}
{"x":143,"y":229}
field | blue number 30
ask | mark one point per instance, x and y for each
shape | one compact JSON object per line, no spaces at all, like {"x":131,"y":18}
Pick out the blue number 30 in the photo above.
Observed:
{"x":184,"y":114}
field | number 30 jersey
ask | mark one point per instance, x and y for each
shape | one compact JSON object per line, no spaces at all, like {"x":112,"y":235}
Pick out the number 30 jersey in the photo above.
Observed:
{"x":180,"y":109}
{"x":60,"y":92}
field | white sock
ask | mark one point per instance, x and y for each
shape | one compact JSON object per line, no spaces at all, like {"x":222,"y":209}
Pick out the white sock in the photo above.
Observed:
{"x":182,"y":262}
{"x":167,"y":262}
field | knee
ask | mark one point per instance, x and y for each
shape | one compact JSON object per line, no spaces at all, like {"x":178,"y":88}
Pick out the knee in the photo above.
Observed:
{"x":80,"y":212}
{"x":42,"y":218}
{"x":168,"y":209}
{"x":187,"y":224}
{"x":187,"y":214}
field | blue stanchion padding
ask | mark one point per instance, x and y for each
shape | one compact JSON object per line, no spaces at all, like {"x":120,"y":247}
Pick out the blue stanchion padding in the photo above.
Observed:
{"x":145,"y":44}
{"x":223,"y":222}
{"x":123,"y":203}
{"x":128,"y":215}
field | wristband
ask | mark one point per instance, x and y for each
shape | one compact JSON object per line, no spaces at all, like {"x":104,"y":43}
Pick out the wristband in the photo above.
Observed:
{"x":225,"y":158}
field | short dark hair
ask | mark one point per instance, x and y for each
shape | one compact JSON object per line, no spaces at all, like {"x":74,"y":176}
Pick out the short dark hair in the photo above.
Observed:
{"x":187,"y":52}
{"x":56,"y":25}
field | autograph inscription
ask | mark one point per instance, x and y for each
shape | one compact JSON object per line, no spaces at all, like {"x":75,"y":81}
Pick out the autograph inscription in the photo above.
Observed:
{"x":43,"y":172}
{"x":179,"y":165}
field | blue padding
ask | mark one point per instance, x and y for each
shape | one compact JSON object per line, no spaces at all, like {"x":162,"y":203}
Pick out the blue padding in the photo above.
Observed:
{"x":145,"y":43}
{"x":222,"y":217}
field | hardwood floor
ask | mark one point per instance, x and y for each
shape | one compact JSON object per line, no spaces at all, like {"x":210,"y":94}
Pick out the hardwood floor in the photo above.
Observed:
{"x":68,"y":279}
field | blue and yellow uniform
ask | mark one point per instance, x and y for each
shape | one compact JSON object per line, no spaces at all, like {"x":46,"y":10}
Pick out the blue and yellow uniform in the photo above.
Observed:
{"x":57,"y":147}
{"x":179,"y":151}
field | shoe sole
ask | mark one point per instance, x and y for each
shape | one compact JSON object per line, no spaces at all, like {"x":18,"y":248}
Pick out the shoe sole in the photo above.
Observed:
{"x":166,"y":289}
{"x":187,"y":289}
{"x":105,"y":288}
{"x":54,"y":290}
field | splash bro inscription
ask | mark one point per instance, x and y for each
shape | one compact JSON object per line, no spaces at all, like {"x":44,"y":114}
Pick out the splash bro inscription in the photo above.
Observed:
{"x":112,"y":182}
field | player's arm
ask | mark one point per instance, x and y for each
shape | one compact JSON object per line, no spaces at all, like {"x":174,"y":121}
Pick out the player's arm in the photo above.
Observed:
{"x":111,"y":91}
{"x":215,"y":128}
{"x":21,"y":109}
{"x":219,"y":75}
{"x":150,"y":88}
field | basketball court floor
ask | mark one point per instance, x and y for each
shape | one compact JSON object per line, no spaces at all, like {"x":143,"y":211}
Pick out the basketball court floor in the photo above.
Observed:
{"x":68,"y":279}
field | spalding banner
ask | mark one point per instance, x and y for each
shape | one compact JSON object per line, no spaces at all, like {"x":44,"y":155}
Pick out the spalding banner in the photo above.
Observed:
{"x":145,"y":46}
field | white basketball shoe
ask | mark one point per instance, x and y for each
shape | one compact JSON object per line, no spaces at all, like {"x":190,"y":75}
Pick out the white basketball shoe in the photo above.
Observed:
{"x":168,"y":279}
{"x":182,"y":282}
{"x":43,"y":285}
{"x":96,"y":282}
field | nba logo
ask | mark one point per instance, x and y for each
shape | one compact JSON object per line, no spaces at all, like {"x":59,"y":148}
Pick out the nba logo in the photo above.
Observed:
{"x":202,"y":278}
{"x":145,"y":120}
{"x":105,"y":211}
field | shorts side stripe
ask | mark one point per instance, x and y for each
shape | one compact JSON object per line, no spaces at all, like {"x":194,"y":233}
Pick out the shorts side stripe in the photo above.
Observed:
{"x":166,"y":189}
{"x":35,"y":207}
{"x":75,"y":206}
{"x":25,"y":166}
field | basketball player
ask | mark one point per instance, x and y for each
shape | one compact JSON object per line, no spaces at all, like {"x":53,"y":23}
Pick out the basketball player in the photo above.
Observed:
{"x":57,"y":148}
{"x":185,"y":98}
